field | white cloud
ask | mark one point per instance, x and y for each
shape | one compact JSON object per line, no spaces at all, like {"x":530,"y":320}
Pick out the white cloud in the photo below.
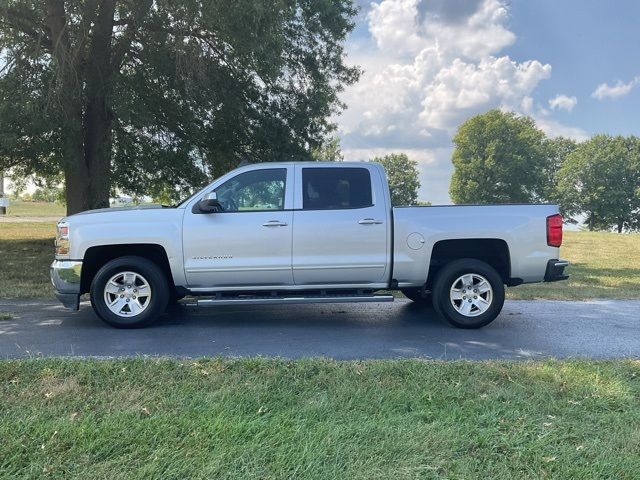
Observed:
{"x":409,"y":26}
{"x":435,"y":64}
{"x":620,"y":89}
{"x":562,"y":102}
{"x":527,"y":105}
{"x":429,"y":65}
{"x":553,"y":128}
{"x":462,"y":89}
{"x":393,"y":26}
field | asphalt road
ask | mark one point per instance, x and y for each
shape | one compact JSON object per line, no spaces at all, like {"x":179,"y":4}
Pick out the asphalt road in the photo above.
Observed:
{"x":525,"y":329}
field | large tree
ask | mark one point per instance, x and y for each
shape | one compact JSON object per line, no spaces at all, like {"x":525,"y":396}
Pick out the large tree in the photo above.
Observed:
{"x":557,"y":151}
{"x":601,"y":179}
{"x":402,"y":174}
{"x":150,"y":96}
{"x":499,"y":157}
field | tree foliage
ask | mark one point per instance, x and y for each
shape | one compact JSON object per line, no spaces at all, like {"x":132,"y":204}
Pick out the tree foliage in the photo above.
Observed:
{"x":328,"y":151}
{"x":601,"y":178}
{"x":402,"y":174}
{"x":556,"y":150}
{"x":48,"y":194}
{"x":499,"y":157}
{"x":153,"y":96}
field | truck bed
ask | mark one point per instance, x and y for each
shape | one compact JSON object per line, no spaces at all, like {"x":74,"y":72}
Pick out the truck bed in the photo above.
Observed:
{"x":521,"y":226}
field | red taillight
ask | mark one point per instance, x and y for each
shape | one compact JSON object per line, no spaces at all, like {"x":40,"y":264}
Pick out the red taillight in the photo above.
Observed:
{"x":554,"y":230}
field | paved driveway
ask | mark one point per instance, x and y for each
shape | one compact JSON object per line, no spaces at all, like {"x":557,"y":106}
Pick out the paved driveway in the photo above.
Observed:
{"x":525,"y":329}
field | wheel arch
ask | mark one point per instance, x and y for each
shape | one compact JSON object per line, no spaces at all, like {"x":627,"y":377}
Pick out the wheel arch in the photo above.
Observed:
{"x":97,"y":256}
{"x":493,"y":251}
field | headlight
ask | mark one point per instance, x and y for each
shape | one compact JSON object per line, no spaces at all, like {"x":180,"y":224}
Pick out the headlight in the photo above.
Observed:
{"x":62,"y":240}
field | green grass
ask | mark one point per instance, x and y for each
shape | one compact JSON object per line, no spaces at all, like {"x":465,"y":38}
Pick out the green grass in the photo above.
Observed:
{"x":319,"y":419}
{"x":35,"y":209}
{"x":26,"y":251}
{"x":604,"y":265}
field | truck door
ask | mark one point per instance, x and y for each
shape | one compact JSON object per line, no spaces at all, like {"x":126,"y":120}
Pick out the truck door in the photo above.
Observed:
{"x":248,"y":243}
{"x":340,"y":226}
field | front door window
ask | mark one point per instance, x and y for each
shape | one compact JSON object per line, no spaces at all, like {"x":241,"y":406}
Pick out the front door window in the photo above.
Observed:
{"x":254,"y":191}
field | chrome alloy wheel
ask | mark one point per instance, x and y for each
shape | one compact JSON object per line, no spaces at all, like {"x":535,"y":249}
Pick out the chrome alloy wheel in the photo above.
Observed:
{"x":127,"y":294}
{"x":471,"y":295}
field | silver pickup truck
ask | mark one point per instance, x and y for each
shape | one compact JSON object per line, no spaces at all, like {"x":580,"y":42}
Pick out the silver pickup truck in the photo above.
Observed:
{"x":301,"y":233}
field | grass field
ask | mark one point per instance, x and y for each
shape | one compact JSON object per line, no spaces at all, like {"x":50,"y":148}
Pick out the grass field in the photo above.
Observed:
{"x":604,"y":265}
{"x":319,"y":419}
{"x":35,"y":209}
{"x":26,"y":251}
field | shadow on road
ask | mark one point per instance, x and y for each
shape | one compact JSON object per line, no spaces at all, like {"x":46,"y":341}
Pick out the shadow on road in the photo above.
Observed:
{"x":302,"y":316}
{"x":525,"y":329}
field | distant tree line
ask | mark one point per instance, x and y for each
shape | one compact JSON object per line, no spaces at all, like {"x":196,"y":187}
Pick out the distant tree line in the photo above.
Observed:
{"x":43,"y":194}
{"x":501,"y":157}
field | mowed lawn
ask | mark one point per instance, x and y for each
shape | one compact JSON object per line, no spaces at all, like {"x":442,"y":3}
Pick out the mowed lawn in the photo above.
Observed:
{"x":26,"y":251}
{"x":603,"y":265}
{"x":262,"y":419}
{"x":18,"y":208}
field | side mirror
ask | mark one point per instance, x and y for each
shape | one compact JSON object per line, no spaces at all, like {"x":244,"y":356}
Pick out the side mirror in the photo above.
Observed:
{"x":209,"y":203}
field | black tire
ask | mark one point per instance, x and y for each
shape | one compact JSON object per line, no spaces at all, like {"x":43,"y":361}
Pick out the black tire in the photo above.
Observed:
{"x":156,"y":279}
{"x":445,"y":280}
{"x":417,"y":297}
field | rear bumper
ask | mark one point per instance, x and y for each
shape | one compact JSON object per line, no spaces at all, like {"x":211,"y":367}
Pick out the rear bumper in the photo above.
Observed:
{"x":65,"y":277}
{"x":555,"y":270}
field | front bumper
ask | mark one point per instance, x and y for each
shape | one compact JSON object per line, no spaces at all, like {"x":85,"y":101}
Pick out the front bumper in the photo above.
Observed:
{"x":65,"y":277}
{"x":555,"y":270}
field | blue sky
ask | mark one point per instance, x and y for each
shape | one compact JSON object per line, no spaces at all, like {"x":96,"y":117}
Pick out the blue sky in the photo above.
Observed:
{"x":574,"y":66}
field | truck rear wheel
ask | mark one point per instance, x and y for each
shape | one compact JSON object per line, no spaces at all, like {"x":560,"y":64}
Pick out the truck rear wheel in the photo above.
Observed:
{"x":129,"y":292}
{"x":468,"y":293}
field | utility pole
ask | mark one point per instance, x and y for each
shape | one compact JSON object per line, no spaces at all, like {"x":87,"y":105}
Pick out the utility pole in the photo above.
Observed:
{"x":3,"y":201}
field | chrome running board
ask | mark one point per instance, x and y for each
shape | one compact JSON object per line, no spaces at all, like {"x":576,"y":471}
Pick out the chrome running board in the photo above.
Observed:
{"x":287,"y":300}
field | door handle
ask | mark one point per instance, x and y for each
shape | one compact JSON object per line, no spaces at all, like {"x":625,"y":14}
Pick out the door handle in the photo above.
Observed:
{"x":275,"y":223}
{"x":370,"y":221}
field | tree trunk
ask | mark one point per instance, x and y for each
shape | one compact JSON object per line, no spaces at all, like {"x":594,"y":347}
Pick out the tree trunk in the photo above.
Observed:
{"x":620,"y":225}
{"x":75,"y":173}
{"x":97,"y":116}
{"x":97,"y":153}
{"x":86,"y":125}
{"x":69,"y":96}
{"x":3,"y":210}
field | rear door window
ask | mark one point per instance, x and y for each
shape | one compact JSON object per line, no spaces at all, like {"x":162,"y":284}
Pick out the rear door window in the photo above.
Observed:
{"x":336,"y":188}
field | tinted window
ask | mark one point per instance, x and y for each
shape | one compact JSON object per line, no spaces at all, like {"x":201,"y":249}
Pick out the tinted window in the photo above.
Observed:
{"x":254,"y":191}
{"x":335,"y":188}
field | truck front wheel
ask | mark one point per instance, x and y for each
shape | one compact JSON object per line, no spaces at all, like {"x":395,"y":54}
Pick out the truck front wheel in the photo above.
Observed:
{"x":468,"y":293}
{"x":129,"y":292}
